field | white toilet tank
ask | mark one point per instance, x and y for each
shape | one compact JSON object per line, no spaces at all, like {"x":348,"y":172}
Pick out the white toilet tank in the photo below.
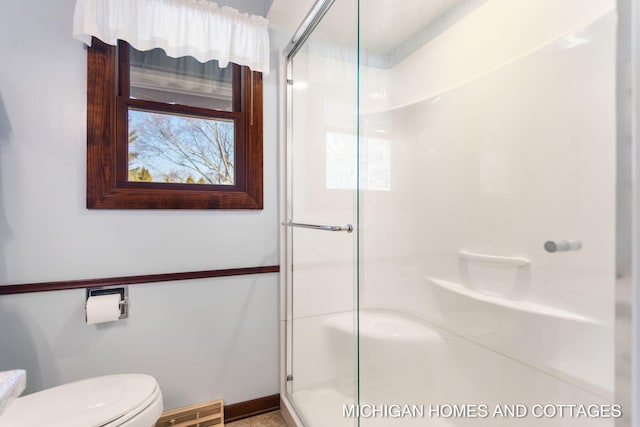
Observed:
{"x":128,"y":400}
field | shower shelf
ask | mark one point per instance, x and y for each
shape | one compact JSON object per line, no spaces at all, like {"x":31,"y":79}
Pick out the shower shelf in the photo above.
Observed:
{"x":518,"y":305}
{"x":507,"y":260}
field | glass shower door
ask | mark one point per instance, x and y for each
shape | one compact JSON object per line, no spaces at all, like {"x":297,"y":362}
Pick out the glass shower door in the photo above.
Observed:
{"x":471,"y":144}
{"x":321,"y":222}
{"x":487,"y":267}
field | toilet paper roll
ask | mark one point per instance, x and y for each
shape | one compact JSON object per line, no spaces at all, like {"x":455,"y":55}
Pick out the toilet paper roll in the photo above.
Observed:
{"x":103,"y":308}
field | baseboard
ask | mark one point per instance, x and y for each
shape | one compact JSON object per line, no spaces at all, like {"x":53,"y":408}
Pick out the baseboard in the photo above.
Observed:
{"x":241,"y":410}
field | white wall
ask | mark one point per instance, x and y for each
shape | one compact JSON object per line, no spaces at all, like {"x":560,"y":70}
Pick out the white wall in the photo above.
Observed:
{"x":47,"y":234}
{"x":496,"y":33}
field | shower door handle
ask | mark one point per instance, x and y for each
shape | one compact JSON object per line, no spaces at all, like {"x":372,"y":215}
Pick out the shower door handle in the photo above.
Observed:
{"x":348,"y":228}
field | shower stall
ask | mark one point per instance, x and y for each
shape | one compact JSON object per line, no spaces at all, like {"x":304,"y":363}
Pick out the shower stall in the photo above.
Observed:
{"x":451,"y":215}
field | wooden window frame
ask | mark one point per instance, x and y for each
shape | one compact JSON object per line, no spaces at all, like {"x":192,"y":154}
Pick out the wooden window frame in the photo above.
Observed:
{"x":107,"y":139}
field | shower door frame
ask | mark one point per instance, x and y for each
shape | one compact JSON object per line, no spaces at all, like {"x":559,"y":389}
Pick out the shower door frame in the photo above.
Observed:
{"x":627,"y":314}
{"x":627,"y":310}
{"x":306,"y":28}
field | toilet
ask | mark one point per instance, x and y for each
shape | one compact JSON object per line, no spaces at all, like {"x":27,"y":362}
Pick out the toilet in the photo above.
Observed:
{"x":127,"y":400}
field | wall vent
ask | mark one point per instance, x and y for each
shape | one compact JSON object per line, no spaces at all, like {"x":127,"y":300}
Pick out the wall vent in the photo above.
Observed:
{"x":206,"y":414}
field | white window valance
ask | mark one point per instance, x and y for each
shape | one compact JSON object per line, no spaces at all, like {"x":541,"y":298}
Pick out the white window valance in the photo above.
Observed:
{"x":197,"y":28}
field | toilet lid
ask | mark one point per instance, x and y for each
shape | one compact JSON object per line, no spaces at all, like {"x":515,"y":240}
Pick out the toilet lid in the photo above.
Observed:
{"x":92,"y":402}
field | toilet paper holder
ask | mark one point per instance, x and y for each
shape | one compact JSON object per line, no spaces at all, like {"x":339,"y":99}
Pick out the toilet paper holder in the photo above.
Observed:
{"x":123,"y":291}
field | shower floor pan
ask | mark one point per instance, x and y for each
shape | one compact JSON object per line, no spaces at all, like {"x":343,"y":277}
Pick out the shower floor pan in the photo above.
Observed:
{"x":406,"y":364}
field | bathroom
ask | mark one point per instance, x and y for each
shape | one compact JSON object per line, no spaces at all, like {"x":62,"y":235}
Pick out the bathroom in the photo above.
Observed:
{"x":412,"y":292}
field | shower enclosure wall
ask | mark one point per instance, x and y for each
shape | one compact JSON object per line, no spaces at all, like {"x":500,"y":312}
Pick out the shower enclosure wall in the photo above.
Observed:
{"x":450,"y":214}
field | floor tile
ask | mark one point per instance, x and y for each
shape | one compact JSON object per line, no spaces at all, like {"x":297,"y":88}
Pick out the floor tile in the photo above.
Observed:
{"x":271,"y":419}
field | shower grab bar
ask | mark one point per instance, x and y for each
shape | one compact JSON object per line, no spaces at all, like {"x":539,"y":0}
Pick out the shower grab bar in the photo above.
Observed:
{"x":508,"y":260}
{"x":348,"y":228}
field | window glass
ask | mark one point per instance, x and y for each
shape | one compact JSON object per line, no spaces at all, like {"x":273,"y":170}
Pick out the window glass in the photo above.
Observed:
{"x":174,"y":148}
{"x":154,"y":76}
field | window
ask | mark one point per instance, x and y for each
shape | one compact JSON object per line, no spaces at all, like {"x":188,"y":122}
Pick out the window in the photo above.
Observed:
{"x":166,"y":133}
